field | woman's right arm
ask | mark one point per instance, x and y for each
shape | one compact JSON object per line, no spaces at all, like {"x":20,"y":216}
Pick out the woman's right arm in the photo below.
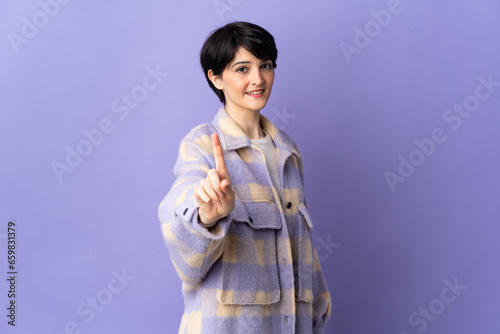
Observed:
{"x":214,"y":194}
{"x":194,"y":248}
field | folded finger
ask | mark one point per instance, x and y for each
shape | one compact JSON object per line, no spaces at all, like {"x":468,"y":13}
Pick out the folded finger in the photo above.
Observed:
{"x":200,"y":192}
{"x":209,"y":190}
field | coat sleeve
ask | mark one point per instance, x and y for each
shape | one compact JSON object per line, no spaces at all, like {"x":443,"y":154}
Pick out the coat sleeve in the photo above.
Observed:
{"x":322,"y":302}
{"x":321,"y":296}
{"x":193,"y":248}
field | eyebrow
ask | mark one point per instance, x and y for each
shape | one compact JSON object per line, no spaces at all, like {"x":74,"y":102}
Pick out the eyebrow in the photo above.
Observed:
{"x":247,"y":62}
{"x":240,"y":62}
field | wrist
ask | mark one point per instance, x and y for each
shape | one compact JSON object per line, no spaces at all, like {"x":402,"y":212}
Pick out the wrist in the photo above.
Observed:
{"x":204,"y":221}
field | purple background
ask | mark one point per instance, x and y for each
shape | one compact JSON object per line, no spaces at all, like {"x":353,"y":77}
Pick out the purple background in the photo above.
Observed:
{"x":385,"y":252}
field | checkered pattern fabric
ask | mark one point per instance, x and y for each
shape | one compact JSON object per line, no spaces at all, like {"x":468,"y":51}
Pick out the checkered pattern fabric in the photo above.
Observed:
{"x":256,"y":271}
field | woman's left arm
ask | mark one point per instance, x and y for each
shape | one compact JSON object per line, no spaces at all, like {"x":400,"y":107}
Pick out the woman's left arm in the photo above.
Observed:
{"x":321,"y":296}
{"x":322,"y":303}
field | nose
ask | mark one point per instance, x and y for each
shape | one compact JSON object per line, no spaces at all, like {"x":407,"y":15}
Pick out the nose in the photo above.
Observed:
{"x":257,"y":78}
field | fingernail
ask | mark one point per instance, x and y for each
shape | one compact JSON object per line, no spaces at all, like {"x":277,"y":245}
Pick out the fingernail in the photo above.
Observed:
{"x":220,"y":194}
{"x":219,"y":204}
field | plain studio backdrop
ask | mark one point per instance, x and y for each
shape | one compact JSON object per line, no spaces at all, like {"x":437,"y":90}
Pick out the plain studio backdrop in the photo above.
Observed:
{"x":394,"y":104}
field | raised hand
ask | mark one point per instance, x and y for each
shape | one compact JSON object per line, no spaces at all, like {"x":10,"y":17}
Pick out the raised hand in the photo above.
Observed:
{"x":214,"y":194}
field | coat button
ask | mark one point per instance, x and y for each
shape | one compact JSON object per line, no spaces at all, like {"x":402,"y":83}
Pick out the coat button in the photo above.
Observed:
{"x":184,"y":213}
{"x":251,"y":220}
{"x":289,"y":205}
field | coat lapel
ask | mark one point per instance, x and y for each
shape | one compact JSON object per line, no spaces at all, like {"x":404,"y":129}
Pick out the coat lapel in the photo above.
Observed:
{"x":232,"y":136}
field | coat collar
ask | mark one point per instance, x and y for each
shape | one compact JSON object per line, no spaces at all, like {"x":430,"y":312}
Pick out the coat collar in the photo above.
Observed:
{"x":232,"y":136}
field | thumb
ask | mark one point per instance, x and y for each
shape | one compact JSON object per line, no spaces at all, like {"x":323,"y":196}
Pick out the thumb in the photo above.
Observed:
{"x":226,"y":185}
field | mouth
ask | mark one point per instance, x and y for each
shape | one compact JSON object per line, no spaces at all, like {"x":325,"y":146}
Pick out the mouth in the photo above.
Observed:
{"x":256,"y":93}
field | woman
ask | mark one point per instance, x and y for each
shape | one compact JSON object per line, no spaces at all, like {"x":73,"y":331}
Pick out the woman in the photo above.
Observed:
{"x":235,"y":220}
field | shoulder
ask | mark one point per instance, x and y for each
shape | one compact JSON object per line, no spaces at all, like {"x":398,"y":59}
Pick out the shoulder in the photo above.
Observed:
{"x":197,"y":141}
{"x":289,"y":139}
{"x":199,"y":131}
{"x":281,"y":138}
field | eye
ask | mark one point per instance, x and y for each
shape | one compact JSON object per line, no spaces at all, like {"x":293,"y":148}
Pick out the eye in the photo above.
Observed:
{"x":241,"y":69}
{"x":267,"y":66}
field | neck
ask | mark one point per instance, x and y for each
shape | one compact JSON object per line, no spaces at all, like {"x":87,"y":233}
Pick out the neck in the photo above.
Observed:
{"x":248,"y":121}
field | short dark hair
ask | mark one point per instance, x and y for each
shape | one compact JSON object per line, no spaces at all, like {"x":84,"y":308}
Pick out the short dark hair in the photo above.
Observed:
{"x":222,"y":44}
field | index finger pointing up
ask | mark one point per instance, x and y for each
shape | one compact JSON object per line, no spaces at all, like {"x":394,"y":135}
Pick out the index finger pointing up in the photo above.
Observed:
{"x":220,"y":164}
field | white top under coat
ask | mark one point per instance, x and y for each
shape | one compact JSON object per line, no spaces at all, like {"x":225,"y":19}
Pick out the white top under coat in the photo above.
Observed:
{"x":269,"y":149}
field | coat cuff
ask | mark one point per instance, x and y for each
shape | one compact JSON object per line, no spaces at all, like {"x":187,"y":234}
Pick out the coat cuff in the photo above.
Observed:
{"x":187,"y":211}
{"x":318,"y":330}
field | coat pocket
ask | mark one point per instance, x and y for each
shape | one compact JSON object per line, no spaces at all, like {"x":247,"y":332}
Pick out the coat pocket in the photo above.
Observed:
{"x":249,"y":259}
{"x":305,"y":264}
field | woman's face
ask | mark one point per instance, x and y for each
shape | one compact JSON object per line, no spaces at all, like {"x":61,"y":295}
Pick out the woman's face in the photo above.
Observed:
{"x":246,"y":82}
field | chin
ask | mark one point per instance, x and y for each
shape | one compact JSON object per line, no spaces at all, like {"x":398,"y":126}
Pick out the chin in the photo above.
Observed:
{"x":258,"y":105}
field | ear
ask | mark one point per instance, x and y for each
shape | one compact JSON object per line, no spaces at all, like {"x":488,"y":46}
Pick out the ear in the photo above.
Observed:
{"x":216,"y":79}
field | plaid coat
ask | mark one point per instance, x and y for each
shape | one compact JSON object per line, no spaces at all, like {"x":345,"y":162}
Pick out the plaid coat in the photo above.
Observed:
{"x":256,"y":271}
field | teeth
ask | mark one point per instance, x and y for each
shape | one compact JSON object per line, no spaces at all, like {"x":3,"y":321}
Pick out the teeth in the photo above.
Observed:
{"x":256,"y":92}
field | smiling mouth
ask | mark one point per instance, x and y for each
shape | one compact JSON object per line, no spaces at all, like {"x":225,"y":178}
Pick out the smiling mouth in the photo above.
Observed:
{"x":256,"y":92}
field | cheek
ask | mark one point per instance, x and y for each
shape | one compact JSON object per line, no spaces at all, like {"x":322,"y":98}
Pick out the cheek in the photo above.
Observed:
{"x":237,"y":85}
{"x":270,"y":80}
